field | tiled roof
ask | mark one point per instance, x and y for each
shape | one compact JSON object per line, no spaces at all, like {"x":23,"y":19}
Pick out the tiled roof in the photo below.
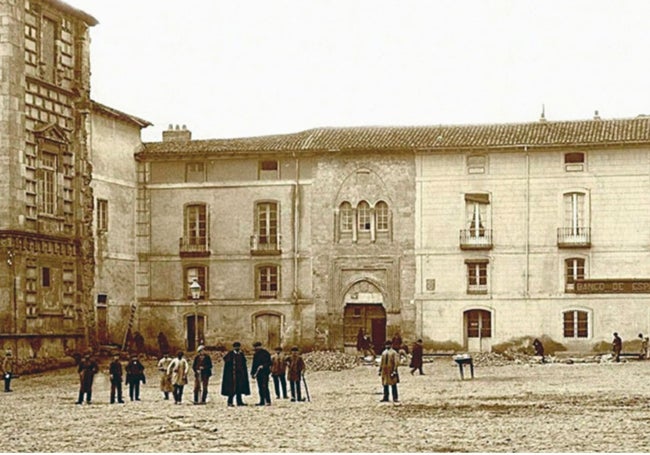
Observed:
{"x":410,"y":138}
{"x":99,"y":107}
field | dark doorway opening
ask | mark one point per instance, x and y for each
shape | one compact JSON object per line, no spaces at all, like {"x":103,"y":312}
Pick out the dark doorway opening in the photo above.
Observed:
{"x":371,"y":318}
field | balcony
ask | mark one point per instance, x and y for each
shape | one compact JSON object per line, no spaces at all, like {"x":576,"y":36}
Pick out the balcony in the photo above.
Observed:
{"x":265,"y":245}
{"x":573,"y":237}
{"x":476,"y":239}
{"x":194,"y":247}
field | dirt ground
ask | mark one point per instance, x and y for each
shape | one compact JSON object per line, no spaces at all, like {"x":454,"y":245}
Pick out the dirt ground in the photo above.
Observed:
{"x":514,"y":408}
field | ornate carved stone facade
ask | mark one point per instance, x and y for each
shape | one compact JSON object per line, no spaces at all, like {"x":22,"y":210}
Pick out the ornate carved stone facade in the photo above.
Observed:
{"x":46,"y":219}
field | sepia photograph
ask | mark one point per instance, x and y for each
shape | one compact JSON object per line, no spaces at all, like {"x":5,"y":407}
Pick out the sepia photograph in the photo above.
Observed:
{"x":326,"y":226}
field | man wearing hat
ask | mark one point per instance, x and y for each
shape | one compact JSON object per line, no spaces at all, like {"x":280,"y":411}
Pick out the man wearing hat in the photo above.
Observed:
{"x":388,"y":370}
{"x":235,"y":375}
{"x":202,"y":367}
{"x":416,"y":357}
{"x":87,"y":370}
{"x":8,"y":370}
{"x":278,"y":372}
{"x":296,"y":367}
{"x":260,"y":371}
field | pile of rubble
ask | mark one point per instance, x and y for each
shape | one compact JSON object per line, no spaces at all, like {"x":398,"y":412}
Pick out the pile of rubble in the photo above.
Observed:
{"x":518,"y":358}
{"x":329,"y":361}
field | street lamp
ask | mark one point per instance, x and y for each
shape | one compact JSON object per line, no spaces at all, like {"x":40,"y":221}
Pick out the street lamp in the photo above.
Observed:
{"x":195,"y":291}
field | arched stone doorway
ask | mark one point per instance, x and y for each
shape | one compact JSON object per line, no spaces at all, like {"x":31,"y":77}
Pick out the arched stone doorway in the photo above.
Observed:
{"x":478,"y":330}
{"x":364,"y":309}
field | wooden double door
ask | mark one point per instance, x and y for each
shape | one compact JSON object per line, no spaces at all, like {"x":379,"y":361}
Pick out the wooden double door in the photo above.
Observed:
{"x":371,"y":318}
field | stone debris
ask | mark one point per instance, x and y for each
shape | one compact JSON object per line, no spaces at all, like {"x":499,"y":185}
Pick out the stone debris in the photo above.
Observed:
{"x":518,"y":358}
{"x":329,"y":361}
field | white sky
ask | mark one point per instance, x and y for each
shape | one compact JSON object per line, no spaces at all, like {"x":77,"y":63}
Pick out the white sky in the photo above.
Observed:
{"x":246,"y":68}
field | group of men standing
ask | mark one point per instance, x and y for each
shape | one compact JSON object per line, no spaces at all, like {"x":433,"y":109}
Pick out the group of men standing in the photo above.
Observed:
{"x":235,"y":374}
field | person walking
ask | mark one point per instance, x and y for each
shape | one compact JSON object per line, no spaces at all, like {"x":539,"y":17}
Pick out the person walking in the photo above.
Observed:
{"x":416,"y":357}
{"x":296,"y":369}
{"x":278,"y":373}
{"x":617,"y":345}
{"x":87,"y":370}
{"x":135,"y":375}
{"x":165,"y":378}
{"x":235,"y":375}
{"x":388,"y":371}
{"x":539,"y":348}
{"x":115,"y":376}
{"x":178,"y":369}
{"x":260,"y":370}
{"x":202,"y":367}
{"x":8,"y":370}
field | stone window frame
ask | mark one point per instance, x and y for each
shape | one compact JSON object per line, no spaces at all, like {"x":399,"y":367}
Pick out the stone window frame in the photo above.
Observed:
{"x":571,"y":328}
{"x":271,"y":279}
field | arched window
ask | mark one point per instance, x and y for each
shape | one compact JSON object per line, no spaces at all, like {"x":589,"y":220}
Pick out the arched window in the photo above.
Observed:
{"x":364,"y":217}
{"x":346,"y":217}
{"x":381,"y":217}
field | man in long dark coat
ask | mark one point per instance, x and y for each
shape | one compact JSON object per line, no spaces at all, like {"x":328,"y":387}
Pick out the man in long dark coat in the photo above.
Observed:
{"x":87,"y":370}
{"x":416,"y":357}
{"x":260,"y":370}
{"x":235,"y":375}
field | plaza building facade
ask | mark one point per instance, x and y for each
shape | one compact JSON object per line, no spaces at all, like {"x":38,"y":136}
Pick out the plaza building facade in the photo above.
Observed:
{"x":465,"y":236}
{"x":46,"y":209}
{"x":534,"y":229}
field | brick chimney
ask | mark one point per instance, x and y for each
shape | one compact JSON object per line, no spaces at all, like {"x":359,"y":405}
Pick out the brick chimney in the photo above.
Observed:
{"x":177,"y":134}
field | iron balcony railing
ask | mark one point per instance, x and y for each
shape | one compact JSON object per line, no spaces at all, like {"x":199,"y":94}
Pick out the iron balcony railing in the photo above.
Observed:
{"x":573,"y":237}
{"x":194,"y":246}
{"x":476,"y":239}
{"x":266,"y":245}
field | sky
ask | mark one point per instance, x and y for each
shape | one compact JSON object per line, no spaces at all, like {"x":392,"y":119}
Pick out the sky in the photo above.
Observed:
{"x":242,"y":68}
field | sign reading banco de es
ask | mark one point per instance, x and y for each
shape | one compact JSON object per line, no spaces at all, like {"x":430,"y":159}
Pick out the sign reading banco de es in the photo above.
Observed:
{"x":613,"y":286}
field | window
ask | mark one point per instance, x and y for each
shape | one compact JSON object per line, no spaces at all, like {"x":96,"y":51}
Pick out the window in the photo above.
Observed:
{"x":194,"y":172}
{"x":363,"y":217}
{"x":574,"y":270}
{"x":102,"y":299}
{"x":102,"y":215}
{"x":476,"y":212}
{"x":476,"y":276}
{"x":576,"y":324}
{"x":346,"y":217}
{"x":479,"y":324}
{"x":381,"y":216}
{"x":268,"y":169}
{"x":45,"y":277}
{"x":198,"y":273}
{"x":574,"y":212}
{"x":48,"y":182}
{"x":476,"y":164}
{"x":267,"y":282}
{"x":196,"y":224}
{"x":267,"y":223}
{"x":574,"y":161}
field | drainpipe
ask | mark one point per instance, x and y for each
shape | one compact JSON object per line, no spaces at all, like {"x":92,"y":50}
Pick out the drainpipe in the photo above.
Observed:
{"x":527,"y":272}
{"x":296,"y":236}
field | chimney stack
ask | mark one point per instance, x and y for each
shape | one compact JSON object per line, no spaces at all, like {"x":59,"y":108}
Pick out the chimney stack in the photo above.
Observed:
{"x":596,"y":115}
{"x":177,"y":134}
